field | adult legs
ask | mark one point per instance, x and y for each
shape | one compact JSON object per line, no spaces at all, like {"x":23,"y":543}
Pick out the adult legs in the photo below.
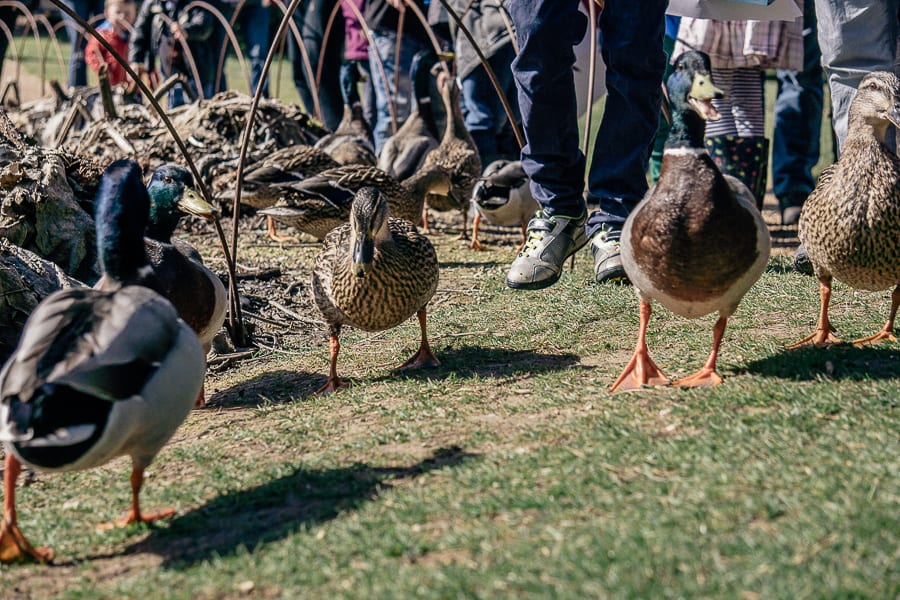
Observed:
{"x":85,"y":9}
{"x":311,"y":17}
{"x":385,"y":46}
{"x":856,"y":37}
{"x":483,"y":110}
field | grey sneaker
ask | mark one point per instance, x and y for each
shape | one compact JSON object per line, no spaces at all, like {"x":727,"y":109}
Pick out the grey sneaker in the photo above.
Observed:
{"x":607,"y":260}
{"x":551,"y":240}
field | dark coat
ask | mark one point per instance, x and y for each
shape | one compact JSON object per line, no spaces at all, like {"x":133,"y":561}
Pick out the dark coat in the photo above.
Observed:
{"x":152,"y":39}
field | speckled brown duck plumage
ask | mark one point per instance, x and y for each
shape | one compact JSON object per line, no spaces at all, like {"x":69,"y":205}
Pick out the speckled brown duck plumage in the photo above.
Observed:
{"x":352,"y":142}
{"x":374,"y":273}
{"x":405,"y":151}
{"x":320,"y":203}
{"x":457,"y":154}
{"x":696,"y":242}
{"x":287,"y":165}
{"x":850,"y":222}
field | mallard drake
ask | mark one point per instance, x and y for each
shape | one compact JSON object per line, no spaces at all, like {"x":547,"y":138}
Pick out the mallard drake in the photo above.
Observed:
{"x":374,"y":273}
{"x":196,"y":292}
{"x":696,"y":242}
{"x":352,"y":142}
{"x":457,"y":154}
{"x":503,"y":197}
{"x":850,"y":221}
{"x":320,"y":203}
{"x":98,"y":373}
{"x":405,"y":151}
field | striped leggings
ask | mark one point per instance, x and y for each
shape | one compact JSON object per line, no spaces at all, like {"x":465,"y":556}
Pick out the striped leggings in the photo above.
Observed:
{"x":743,"y":108}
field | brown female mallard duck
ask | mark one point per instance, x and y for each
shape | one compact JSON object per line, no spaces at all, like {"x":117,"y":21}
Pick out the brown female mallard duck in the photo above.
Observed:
{"x":98,"y":373}
{"x":264,"y":180}
{"x":850,"y":221}
{"x":456,"y":154}
{"x":405,"y":151}
{"x":374,"y":273}
{"x":320,"y":203}
{"x":696,"y":242}
{"x":352,"y":142}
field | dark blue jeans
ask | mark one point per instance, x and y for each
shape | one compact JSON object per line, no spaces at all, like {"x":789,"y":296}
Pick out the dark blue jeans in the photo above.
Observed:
{"x":311,"y":17}
{"x":253,"y":22}
{"x":798,"y":118}
{"x":84,"y":9}
{"x":632,"y":47}
{"x":483,"y":111}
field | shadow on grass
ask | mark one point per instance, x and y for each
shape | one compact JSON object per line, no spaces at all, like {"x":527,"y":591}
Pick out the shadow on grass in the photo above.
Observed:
{"x":457,"y":264}
{"x":276,"y":387}
{"x":275,"y":510}
{"x":468,"y":361}
{"x":841,"y":362}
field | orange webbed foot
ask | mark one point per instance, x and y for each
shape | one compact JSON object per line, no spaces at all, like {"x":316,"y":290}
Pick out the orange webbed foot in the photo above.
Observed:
{"x":200,"y":402}
{"x":476,"y":245}
{"x":819,"y":338}
{"x":15,"y":548}
{"x":703,"y":377}
{"x":640,"y":371}
{"x":332,"y":384}
{"x":881,"y":336}
{"x":133,"y":517}
{"x":423,"y":358}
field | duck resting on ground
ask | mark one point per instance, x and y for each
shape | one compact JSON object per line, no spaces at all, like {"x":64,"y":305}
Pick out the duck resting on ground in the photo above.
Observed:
{"x":850,"y":222}
{"x":352,"y":142}
{"x":98,"y":373}
{"x":503,"y":197}
{"x":374,"y":273}
{"x":696,"y":243}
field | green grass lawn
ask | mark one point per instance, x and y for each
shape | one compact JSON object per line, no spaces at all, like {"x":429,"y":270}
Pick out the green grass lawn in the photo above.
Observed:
{"x":510,"y":471}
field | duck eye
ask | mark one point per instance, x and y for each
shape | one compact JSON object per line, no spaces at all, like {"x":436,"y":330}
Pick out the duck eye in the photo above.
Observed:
{"x":167,"y":179}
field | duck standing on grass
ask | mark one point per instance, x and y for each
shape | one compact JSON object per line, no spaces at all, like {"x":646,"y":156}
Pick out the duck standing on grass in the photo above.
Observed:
{"x":696,"y":242}
{"x":850,"y":224}
{"x":374,"y":273}
{"x":503,"y":197}
{"x":98,"y":373}
{"x":196,"y":292}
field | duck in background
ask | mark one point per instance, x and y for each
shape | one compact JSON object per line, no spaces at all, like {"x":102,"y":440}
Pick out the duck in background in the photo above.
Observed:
{"x":98,"y":373}
{"x":456,"y":154}
{"x":374,"y":273}
{"x":696,"y":243}
{"x":850,"y":222}
{"x":319,"y":204}
{"x":405,"y":151}
{"x":503,"y":197}
{"x":352,"y":142}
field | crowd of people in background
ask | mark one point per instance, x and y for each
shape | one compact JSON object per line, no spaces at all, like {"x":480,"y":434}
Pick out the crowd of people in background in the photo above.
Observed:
{"x":529,"y":45}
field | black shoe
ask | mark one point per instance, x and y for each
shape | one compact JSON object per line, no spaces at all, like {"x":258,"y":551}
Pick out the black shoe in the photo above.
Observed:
{"x":802,"y":263}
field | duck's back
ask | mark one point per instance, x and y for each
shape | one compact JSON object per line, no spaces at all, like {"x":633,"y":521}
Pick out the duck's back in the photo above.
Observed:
{"x":693,"y":244}
{"x":118,"y":371}
{"x":851,"y":220}
{"x":400,"y":281}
